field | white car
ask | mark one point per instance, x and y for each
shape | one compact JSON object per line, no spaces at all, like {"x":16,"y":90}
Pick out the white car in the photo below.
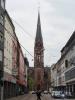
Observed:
{"x":32,"y":92}
{"x":45,"y":92}
{"x":52,"y":93}
{"x":57,"y":94}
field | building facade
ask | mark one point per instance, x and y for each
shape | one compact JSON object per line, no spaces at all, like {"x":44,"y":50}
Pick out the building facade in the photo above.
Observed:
{"x":61,"y":75}
{"x":9,"y":80}
{"x":2,"y":9}
{"x":68,"y":53}
{"x":21,"y":72}
{"x":31,"y":80}
{"x":47,"y":78}
{"x":15,"y":71}
{"x":39,"y":57}
{"x":26,"y":73}
{"x":65,"y":68}
{"x":53,"y":76}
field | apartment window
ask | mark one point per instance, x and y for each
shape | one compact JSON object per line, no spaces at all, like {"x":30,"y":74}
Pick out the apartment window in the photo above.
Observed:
{"x":4,"y":43}
{"x":2,"y":3}
{"x":66,"y":63}
{"x":1,"y":19}
{"x":1,"y":37}
{"x":39,"y":58}
{"x":0,"y":55}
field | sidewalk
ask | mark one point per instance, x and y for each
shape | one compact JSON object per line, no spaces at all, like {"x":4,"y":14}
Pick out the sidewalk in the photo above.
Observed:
{"x":17,"y":97}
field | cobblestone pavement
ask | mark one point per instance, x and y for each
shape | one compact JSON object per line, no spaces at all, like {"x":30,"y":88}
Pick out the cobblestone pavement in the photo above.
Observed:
{"x":33,"y":97}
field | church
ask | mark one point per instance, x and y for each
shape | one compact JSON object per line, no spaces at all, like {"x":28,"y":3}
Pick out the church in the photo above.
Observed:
{"x":39,"y":58}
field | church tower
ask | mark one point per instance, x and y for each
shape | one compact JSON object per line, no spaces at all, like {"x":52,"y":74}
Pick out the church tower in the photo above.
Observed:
{"x":39,"y":57}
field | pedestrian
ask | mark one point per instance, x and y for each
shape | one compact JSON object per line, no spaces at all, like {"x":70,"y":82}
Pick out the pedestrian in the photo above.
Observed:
{"x":38,"y":93}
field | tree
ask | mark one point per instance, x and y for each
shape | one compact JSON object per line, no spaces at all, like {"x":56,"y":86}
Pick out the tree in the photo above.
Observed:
{"x":30,"y":83}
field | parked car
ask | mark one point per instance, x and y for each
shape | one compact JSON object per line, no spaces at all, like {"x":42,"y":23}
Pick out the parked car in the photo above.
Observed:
{"x":52,"y":93}
{"x":57,"y":94}
{"x":32,"y":92}
{"x":45,"y":92}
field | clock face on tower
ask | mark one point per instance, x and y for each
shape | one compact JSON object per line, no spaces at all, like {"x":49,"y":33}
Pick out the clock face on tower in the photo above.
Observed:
{"x":2,"y":3}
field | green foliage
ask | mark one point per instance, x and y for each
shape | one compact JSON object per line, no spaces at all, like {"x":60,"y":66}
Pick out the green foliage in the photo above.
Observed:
{"x":30,"y":83}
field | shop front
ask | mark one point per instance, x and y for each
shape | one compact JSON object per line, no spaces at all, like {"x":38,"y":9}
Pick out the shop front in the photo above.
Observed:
{"x":21,"y":87}
{"x":9,"y":86}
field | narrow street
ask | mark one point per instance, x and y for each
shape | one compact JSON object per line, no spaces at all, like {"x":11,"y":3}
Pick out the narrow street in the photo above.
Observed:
{"x":33,"y":97}
{"x":37,"y":49}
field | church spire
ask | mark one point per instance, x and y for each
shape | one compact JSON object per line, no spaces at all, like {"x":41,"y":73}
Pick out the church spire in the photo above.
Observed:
{"x":39,"y":58}
{"x":38,"y":32}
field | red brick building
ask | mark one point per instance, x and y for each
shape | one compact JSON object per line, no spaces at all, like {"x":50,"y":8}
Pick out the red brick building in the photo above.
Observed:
{"x":39,"y":57}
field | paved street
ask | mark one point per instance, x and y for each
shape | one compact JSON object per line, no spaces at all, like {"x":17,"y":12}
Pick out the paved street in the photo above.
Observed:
{"x":33,"y":97}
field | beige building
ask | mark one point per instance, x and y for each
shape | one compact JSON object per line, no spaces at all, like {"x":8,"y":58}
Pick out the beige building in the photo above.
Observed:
{"x":53,"y":75}
{"x":9,"y":31}
{"x":60,"y":72}
{"x":9,"y":80}
{"x":58,"y":75}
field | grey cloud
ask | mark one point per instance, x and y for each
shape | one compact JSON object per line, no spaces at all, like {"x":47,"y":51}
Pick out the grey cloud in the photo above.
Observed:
{"x":57,"y":22}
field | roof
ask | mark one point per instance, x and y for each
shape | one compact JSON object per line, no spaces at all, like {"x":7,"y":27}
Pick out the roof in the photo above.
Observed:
{"x":69,"y":41}
{"x":38,"y":32}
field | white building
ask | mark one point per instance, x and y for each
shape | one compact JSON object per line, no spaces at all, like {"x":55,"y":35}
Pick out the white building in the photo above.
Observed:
{"x":53,"y":75}
{"x":68,"y":53}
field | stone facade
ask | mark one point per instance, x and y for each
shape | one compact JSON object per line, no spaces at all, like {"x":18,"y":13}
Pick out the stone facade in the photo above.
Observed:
{"x":66,"y":67}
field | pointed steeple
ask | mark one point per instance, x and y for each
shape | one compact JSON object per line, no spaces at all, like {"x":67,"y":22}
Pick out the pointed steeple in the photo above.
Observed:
{"x":38,"y":32}
{"x":39,"y":57}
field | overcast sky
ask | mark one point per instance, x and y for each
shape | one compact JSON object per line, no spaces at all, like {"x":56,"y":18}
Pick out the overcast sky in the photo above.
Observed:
{"x":57,"y":22}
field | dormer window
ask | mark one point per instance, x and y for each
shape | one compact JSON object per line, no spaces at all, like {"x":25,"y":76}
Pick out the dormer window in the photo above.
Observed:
{"x":2,"y":3}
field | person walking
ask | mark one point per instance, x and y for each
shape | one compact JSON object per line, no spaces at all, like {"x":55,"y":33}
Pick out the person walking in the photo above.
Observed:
{"x":38,"y":93}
